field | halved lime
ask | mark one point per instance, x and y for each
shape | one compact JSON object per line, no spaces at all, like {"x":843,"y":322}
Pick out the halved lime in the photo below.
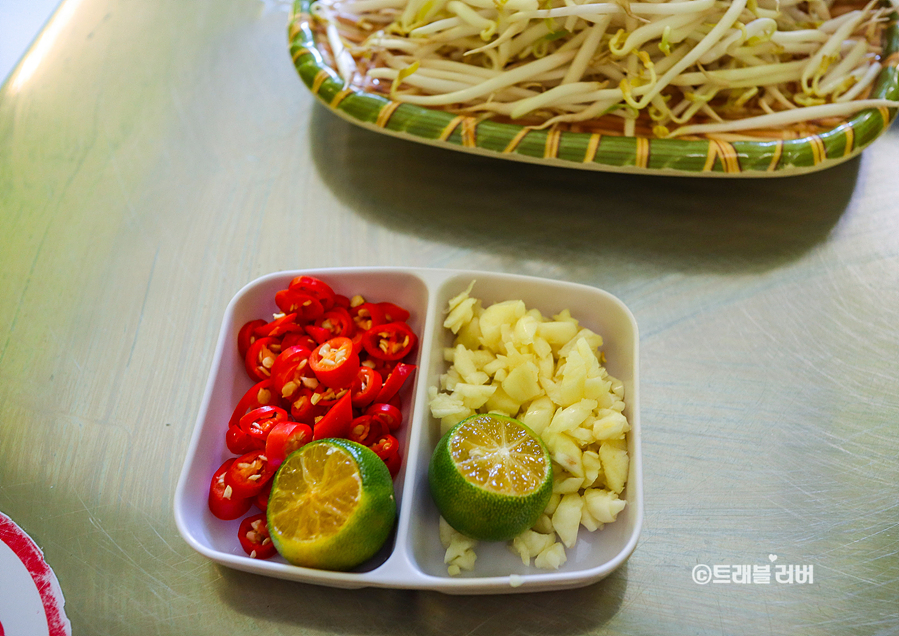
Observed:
{"x":491,"y":477}
{"x":332,"y":505}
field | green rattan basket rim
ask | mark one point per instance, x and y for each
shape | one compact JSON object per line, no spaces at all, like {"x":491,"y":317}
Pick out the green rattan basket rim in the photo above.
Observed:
{"x":593,"y":150}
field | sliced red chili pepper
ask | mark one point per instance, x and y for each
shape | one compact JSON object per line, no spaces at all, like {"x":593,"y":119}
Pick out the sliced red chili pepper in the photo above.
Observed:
{"x":279,"y":326}
{"x":299,"y":340}
{"x":260,"y":394}
{"x":390,"y":341}
{"x":254,"y":537}
{"x":289,"y":370}
{"x":246,"y":337}
{"x":302,"y":407}
{"x":365,"y":387}
{"x":394,"y":463}
{"x":306,"y":306}
{"x":338,"y":322}
{"x":334,"y":363}
{"x":336,"y":422}
{"x":248,"y":474}
{"x":238,"y":442}
{"x":261,"y":500}
{"x":314,"y":287}
{"x":366,"y":430}
{"x":388,"y":449}
{"x":394,"y":381}
{"x":390,"y":415}
{"x":319,"y":334}
{"x":393,"y":313}
{"x":261,"y":356}
{"x":258,"y":422}
{"x":357,"y":345}
{"x":341,"y":301}
{"x":367,"y":315}
{"x":324,"y":397}
{"x":284,"y":438}
{"x":222,"y":501}
{"x":383,"y":367}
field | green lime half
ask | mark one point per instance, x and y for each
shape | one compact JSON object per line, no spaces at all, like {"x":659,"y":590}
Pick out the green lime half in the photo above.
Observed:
{"x":332,"y":505}
{"x":491,"y":477}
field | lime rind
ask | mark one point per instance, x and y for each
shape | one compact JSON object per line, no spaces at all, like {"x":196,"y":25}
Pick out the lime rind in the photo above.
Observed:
{"x":364,"y":531}
{"x":482,"y":512}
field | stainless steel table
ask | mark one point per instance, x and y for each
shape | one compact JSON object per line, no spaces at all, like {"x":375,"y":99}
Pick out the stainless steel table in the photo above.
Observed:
{"x":156,"y":156}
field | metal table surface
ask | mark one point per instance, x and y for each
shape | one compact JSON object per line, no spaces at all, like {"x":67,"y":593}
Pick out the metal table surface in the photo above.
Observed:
{"x":157,"y":156}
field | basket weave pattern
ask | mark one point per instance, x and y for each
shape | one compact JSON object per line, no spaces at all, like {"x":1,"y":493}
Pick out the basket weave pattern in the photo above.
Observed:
{"x":707,"y":157}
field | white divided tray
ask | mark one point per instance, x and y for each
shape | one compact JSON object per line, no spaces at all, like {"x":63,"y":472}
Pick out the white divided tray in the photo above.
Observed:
{"x":413,"y":556}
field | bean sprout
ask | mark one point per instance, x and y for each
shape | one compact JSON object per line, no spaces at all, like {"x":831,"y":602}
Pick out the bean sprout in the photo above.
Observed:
{"x":664,"y":68}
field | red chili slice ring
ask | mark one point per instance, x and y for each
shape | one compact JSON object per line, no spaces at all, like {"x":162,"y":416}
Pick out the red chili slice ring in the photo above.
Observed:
{"x":393,"y":313}
{"x":279,"y":327}
{"x":258,"y":422}
{"x":338,"y":322}
{"x":319,"y":334}
{"x":365,"y":387}
{"x":306,"y":306}
{"x":383,"y":367}
{"x":260,"y":394}
{"x":388,"y":449}
{"x":366,"y":430}
{"x":394,"y":381}
{"x":302,"y":409}
{"x":261,"y":500}
{"x":335,"y":363}
{"x":239,"y":443}
{"x":289,"y":370}
{"x":248,"y":474}
{"x":254,"y":537}
{"x":298,"y":339}
{"x":390,"y":341}
{"x":314,"y":287}
{"x":367,"y":315}
{"x":246,"y":336}
{"x":222,"y":501}
{"x":323,"y":397}
{"x":388,"y":414}
{"x":284,"y":438}
{"x":261,"y":356}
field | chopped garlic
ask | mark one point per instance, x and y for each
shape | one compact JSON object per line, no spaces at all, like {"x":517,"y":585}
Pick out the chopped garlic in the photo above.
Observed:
{"x":549,"y":374}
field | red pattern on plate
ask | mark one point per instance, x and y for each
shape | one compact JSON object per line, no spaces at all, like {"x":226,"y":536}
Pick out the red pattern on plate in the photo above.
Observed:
{"x":44,"y":579}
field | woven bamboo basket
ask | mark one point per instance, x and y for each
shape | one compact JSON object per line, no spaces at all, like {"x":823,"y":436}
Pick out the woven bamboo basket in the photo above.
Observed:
{"x":594,"y":150}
